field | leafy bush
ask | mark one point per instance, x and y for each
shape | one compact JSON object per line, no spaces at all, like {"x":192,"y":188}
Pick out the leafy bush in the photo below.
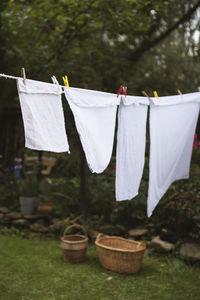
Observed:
{"x":179,"y":210}
{"x":28,"y":186}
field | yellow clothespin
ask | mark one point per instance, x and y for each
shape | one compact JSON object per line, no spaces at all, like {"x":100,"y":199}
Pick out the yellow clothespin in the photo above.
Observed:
{"x":155,"y":94}
{"x":24,"y":75}
{"x":66,"y":82}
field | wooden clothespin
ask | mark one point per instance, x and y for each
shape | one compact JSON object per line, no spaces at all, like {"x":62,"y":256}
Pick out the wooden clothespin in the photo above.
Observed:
{"x":145,"y":94}
{"x":179,"y":92}
{"x":24,"y":75}
{"x":155,"y":94}
{"x":66,"y":82}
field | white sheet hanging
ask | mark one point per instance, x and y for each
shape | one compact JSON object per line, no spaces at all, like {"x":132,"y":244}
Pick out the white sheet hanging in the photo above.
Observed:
{"x":173,"y":121}
{"x":43,"y":116}
{"x":131,"y":139}
{"x":95,"y":114}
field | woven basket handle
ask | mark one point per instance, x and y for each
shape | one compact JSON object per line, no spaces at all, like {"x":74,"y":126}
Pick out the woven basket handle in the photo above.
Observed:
{"x":75,"y":226}
{"x":100,"y":235}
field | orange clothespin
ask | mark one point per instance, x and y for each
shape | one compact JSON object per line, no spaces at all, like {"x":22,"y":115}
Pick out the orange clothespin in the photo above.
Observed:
{"x":155,"y":94}
{"x":24,"y":75}
{"x":66,"y":82}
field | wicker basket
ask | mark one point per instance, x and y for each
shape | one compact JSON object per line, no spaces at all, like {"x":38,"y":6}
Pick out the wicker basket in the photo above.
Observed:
{"x":74,"y":246}
{"x":118,"y":254}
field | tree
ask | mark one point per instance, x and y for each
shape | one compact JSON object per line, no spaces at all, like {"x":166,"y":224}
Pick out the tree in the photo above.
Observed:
{"x":101,"y":45}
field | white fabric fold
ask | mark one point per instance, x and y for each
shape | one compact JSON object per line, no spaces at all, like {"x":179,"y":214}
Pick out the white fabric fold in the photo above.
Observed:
{"x":131,"y":140}
{"x":95,"y":115}
{"x":173,"y":121}
{"x":38,"y":87}
{"x":43,"y":116}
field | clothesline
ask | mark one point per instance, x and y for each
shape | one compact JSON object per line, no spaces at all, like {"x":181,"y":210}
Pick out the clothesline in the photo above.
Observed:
{"x":14,"y":77}
{"x":56,"y":82}
{"x":9,"y":76}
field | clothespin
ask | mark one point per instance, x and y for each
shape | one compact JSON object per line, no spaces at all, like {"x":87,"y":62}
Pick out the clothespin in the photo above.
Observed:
{"x":179,"y":92}
{"x":24,"y":75}
{"x":122,"y":88}
{"x":125,"y":91}
{"x":119,"y":91}
{"x":66,"y":82}
{"x":155,"y":94}
{"x":145,"y":94}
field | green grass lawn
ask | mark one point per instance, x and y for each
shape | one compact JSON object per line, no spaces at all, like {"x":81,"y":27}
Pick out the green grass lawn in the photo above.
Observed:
{"x":34,"y":269}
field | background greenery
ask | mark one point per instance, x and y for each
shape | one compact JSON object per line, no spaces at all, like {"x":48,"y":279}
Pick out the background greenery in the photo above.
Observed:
{"x":150,"y":45}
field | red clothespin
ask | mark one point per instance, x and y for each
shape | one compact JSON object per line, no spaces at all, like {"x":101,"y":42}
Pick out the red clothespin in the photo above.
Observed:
{"x":125,"y":91}
{"x":119,"y":91}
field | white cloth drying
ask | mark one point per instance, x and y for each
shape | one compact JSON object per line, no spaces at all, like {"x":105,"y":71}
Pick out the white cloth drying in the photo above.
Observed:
{"x":95,"y":114}
{"x":43,"y":116}
{"x":173,"y":121}
{"x":131,"y":139}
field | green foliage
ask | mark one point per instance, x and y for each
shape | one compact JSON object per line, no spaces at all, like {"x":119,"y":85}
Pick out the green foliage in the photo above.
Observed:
{"x":8,"y":188}
{"x":101,"y":45}
{"x":100,"y":40}
{"x":179,"y":209}
{"x":132,"y":212}
{"x":28,"y":186}
{"x":64,"y":195}
{"x":11,"y":232}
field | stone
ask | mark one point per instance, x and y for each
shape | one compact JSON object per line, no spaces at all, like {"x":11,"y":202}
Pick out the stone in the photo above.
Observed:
{"x":55,"y":220}
{"x":21,"y":222}
{"x":41,"y":222}
{"x":161,"y":246}
{"x":112,"y":230}
{"x":5,"y":221}
{"x":56,"y":228}
{"x":190,"y":251}
{"x":4,"y":210}
{"x":36,"y":227}
{"x":14,"y":215}
{"x":31,"y":217}
{"x":138,"y":232}
{"x":169,"y":236}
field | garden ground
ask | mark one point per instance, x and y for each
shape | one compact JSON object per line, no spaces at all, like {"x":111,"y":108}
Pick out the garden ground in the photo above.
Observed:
{"x":35,"y":270}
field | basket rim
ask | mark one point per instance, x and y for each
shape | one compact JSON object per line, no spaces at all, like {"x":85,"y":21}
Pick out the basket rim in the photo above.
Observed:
{"x":98,"y":243}
{"x":84,"y":239}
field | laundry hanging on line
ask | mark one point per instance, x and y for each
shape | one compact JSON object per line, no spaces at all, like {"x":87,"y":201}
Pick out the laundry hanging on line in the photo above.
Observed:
{"x":164,"y":113}
{"x":131,"y":141}
{"x":173,"y":121}
{"x":43,"y":116}
{"x":95,"y":115}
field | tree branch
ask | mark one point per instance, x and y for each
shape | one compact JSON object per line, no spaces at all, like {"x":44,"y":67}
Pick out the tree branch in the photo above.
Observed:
{"x":148,"y":44}
{"x":68,"y":38}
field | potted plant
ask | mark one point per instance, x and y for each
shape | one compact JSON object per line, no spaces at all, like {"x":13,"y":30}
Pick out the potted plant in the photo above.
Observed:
{"x":28,"y":191}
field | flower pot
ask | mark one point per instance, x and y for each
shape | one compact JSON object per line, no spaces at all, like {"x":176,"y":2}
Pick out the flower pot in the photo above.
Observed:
{"x":28,"y":205}
{"x":45,"y":208}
